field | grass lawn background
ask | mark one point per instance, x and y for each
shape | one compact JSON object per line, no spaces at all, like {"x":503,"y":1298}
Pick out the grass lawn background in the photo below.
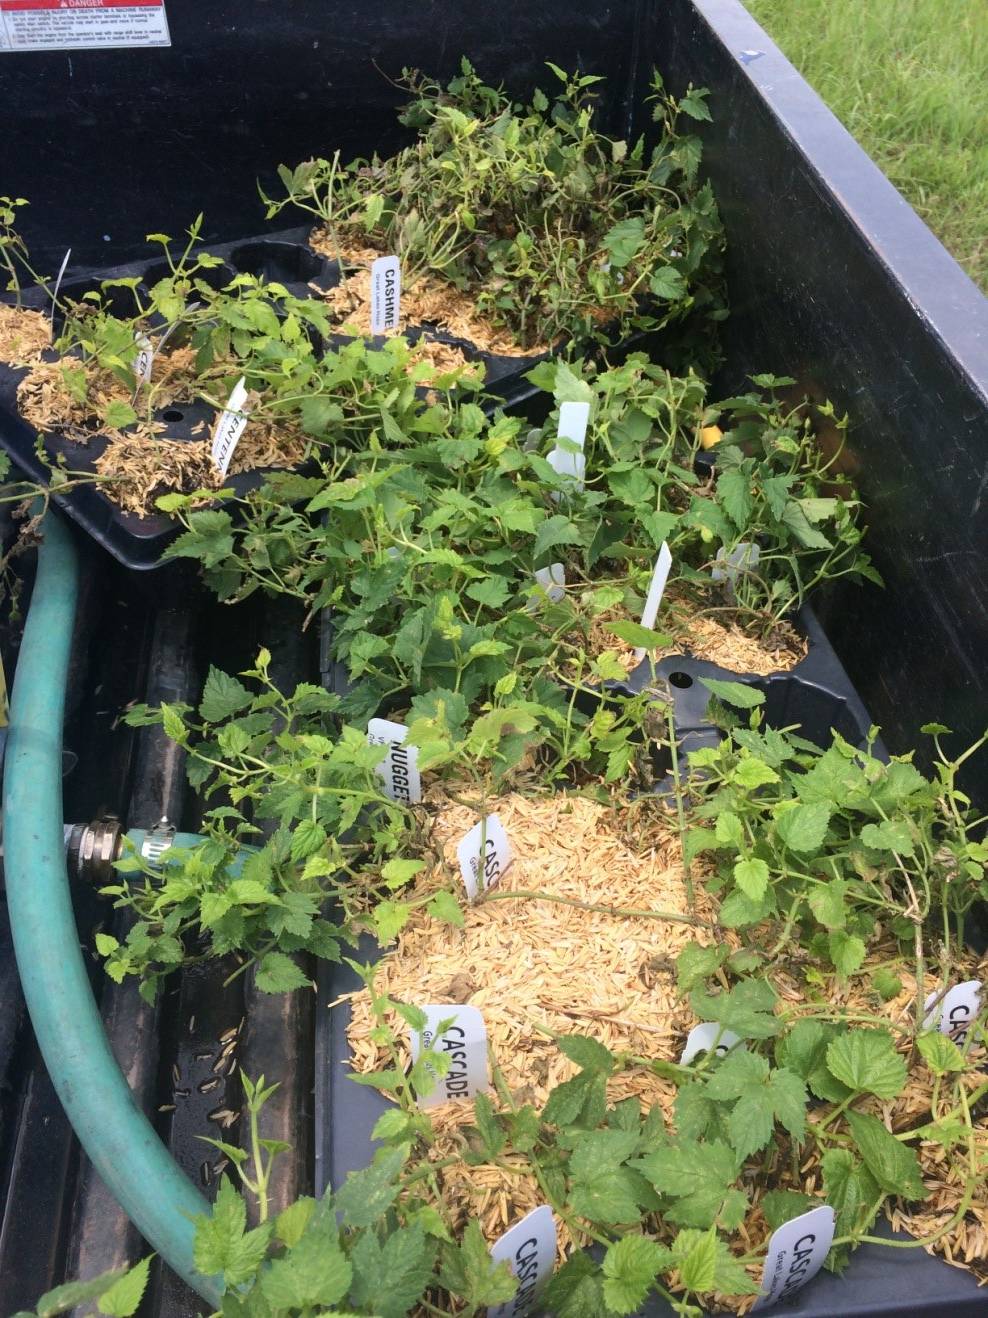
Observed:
{"x":909,"y":79}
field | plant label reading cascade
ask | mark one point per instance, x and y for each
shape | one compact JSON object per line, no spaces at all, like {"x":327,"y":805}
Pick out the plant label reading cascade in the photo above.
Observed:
{"x":229,"y":427}
{"x":464,"y":1042}
{"x":385,"y":294}
{"x":400,"y":767}
{"x":529,"y":1249}
{"x":795,"y":1254}
{"x":484,"y":854}
{"x":81,"y":24}
{"x":956,"y":1010}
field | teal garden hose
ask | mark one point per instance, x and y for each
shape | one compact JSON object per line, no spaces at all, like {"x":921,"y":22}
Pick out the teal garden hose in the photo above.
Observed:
{"x":116,"y":1135}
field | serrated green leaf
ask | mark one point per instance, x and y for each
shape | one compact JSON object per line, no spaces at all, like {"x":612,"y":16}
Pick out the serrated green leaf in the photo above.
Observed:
{"x":291,"y":1222}
{"x":734,"y":494}
{"x":123,"y":1297}
{"x":630,"y":1267}
{"x":470,"y":1274}
{"x":867,"y":1062}
{"x":827,"y":902}
{"x":847,"y":951}
{"x":278,"y":973}
{"x":623,"y":240}
{"x":700,"y":1177}
{"x":444,"y":906}
{"x":890,"y":835}
{"x":940,"y":1053}
{"x":737,"y":694}
{"x":314,"y":1275}
{"x":633,"y":633}
{"x":222,"y":696}
{"x":781,"y":1206}
{"x":804,"y":827}
{"x":893,"y":1165}
{"x":73,"y":1293}
{"x":850,"y":1189}
{"x":367,"y":1194}
{"x":751,"y":876}
{"x":586,"y":1052}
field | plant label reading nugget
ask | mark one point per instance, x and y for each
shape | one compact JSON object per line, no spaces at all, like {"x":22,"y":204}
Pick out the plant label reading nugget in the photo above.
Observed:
{"x":529,"y":1249}
{"x":702,"y":1036}
{"x":956,"y":1010}
{"x":400,"y":767}
{"x":795,"y":1254}
{"x":573,"y":421}
{"x":230,"y":427}
{"x":464,"y":1042}
{"x":484,"y":855}
{"x":385,"y":294}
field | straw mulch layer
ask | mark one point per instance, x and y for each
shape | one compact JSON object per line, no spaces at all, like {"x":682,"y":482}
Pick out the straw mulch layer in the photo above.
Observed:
{"x":139,"y":463}
{"x":425,"y":300}
{"x":23,"y":335}
{"x":701,"y":636}
{"x":531,"y":962}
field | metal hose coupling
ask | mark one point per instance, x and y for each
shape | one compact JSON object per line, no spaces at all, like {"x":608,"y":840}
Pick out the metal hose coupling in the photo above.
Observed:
{"x":91,"y":849}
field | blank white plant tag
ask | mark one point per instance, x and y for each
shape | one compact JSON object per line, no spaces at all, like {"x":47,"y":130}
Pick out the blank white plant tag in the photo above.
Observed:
{"x":955,"y":1011}
{"x":484,"y":855}
{"x":702,"y":1036}
{"x":400,"y":767}
{"x":464,"y":1042}
{"x":230,"y":427}
{"x":144,"y":360}
{"x":795,"y":1254}
{"x":58,"y":285}
{"x":656,"y":589}
{"x":744,"y":557}
{"x":552,"y":579}
{"x":529,"y":1249}
{"x":573,"y":421}
{"x":385,"y":294}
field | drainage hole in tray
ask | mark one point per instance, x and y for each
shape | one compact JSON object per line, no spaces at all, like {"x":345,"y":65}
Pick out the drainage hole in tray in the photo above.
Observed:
{"x":173,"y":414}
{"x":682,"y":680}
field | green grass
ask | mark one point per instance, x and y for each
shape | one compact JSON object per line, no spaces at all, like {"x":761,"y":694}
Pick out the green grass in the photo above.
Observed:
{"x":909,"y":79}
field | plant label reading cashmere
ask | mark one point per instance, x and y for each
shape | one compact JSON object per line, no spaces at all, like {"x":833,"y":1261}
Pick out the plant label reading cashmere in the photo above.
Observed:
{"x":956,"y":1010}
{"x":385,"y":294}
{"x":573,"y":421}
{"x":552,"y":579}
{"x":795,"y":1254}
{"x":464,"y":1042}
{"x":656,"y":589}
{"x":230,"y":427}
{"x":484,"y":854}
{"x":702,"y":1036}
{"x":529,"y":1249}
{"x":82,"y":24}
{"x":400,"y":767}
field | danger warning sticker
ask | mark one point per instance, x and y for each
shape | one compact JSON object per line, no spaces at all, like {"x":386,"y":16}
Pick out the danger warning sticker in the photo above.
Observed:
{"x":81,"y":24}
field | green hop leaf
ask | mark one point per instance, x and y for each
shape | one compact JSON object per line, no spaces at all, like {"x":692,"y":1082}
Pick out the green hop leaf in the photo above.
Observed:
{"x":630,"y":1268}
{"x":867,"y":1062}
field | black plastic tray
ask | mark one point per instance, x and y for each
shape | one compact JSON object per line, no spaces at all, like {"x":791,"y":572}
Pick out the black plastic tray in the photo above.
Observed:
{"x":816,"y":695}
{"x":285,"y":257}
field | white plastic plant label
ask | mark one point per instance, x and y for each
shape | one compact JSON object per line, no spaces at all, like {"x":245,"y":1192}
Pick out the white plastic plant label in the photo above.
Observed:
{"x":529,"y":1249}
{"x":385,"y":294}
{"x":552,"y":579}
{"x":955,"y":1011}
{"x":744,"y":557}
{"x":795,"y":1254}
{"x":58,"y":285}
{"x":229,"y":427}
{"x":464,"y":1042}
{"x":82,"y":24}
{"x":702,"y":1036}
{"x":656,"y":589}
{"x":144,"y":360}
{"x":400,"y":767}
{"x":573,"y":421}
{"x":484,"y":855}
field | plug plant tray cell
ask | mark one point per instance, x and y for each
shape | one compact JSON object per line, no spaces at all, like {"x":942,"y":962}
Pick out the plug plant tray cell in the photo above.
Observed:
{"x":284,"y":257}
